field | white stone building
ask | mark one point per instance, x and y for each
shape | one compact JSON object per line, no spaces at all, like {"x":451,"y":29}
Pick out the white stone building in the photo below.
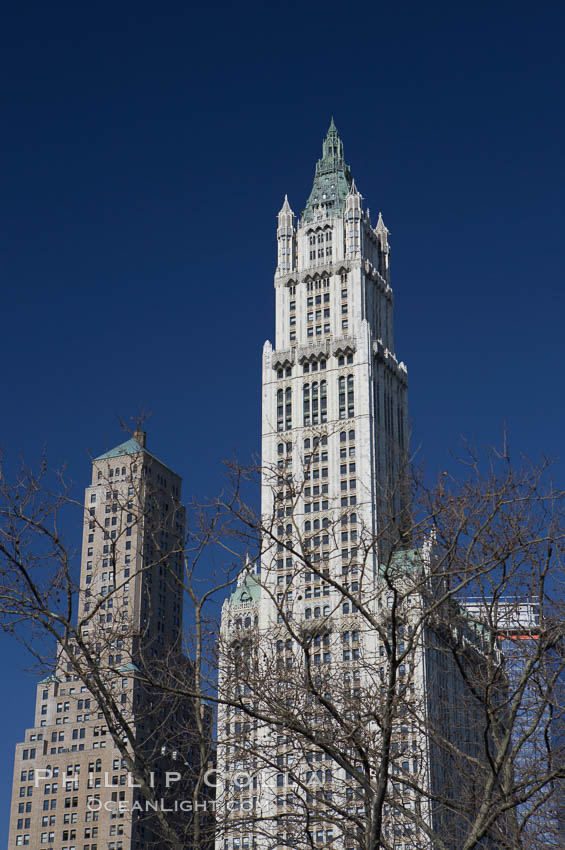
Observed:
{"x":334,"y":441}
{"x":334,"y":435}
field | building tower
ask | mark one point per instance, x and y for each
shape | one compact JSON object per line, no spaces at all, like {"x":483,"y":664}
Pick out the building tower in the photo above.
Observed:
{"x":71,"y":789}
{"x":334,"y":439}
{"x":333,"y":372}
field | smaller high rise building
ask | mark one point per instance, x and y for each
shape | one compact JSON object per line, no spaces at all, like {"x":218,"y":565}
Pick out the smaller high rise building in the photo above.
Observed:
{"x":72,"y":786}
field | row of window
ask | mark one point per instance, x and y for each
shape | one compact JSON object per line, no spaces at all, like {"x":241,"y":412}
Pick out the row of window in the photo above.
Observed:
{"x":110,"y":494}
{"x":320,"y":253}
{"x":318,"y":283}
{"x":319,"y":330}
{"x":314,"y":239}
{"x":317,"y":315}
{"x":314,"y":403}
{"x":314,"y":366}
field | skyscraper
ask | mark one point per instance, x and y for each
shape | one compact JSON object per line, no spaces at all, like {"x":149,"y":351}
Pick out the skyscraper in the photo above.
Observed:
{"x":72,"y":786}
{"x":333,"y":372}
{"x":334,"y":441}
{"x":351,"y":715}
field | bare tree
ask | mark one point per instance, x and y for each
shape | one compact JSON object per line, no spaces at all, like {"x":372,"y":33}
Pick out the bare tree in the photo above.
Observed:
{"x":417,"y":704}
{"x":403,"y":690}
{"x":132,"y":683}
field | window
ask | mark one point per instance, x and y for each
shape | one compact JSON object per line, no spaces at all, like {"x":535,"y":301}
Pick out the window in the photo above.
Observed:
{"x":315,"y":403}
{"x":284,"y":409}
{"x":348,"y":409}
{"x":288,"y":409}
{"x":342,"y":397}
{"x":306,"y":404}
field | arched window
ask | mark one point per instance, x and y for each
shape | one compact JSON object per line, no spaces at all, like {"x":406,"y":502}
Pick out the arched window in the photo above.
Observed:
{"x":280,"y":410}
{"x":307,"y":613}
{"x":315,"y":401}
{"x":341,"y":397}
{"x":323,"y":401}
{"x":288,"y":409}
{"x":350,"y":397}
{"x":306,"y":403}
{"x":316,"y":612}
{"x":346,"y":400}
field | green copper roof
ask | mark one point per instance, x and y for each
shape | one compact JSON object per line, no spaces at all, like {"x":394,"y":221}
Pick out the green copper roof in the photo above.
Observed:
{"x":331,"y":180}
{"x":130,"y":447}
{"x":50,"y":678}
{"x":248,"y":591}
{"x":406,"y":561}
{"x":128,"y":668}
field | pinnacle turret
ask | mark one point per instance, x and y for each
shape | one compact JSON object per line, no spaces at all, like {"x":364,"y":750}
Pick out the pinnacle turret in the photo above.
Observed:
{"x":380,"y":226}
{"x":286,"y":239}
{"x":285,"y":209}
{"x":353,"y":190}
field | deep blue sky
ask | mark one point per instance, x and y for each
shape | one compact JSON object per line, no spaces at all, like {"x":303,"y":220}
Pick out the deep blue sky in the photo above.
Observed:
{"x":144,"y":153}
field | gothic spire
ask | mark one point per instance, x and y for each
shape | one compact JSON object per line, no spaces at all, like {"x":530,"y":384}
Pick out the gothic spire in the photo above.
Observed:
{"x":332,"y":147}
{"x":331,"y":180}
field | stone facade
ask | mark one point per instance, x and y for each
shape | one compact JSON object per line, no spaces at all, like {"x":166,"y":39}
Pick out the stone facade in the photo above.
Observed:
{"x":334,"y":444}
{"x":334,"y":429}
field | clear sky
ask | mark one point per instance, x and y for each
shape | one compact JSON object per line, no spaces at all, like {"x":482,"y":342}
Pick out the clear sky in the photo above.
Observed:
{"x":145,"y":151}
